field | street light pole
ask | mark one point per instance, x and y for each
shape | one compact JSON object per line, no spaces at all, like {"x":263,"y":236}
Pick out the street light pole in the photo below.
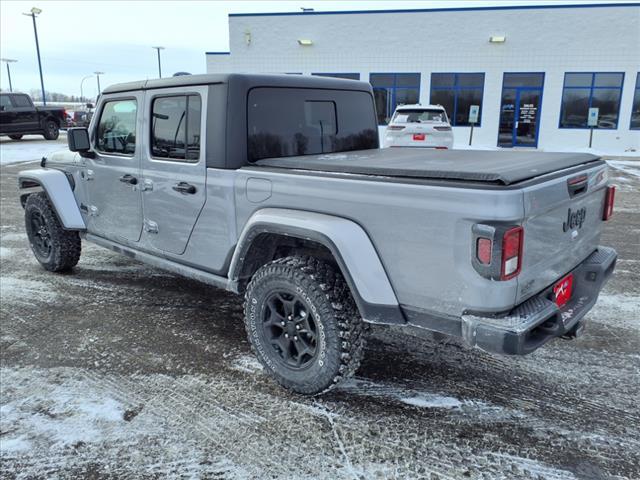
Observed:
{"x":97,"y":74}
{"x":35,"y":12}
{"x":8,"y":61}
{"x":159,"y":65}
{"x":81,"y":82}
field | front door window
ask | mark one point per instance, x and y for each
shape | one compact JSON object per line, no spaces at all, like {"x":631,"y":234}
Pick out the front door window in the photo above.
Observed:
{"x":520,"y":109}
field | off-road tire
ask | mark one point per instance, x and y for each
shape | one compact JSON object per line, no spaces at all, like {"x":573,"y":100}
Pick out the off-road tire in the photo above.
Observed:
{"x":340,"y":336}
{"x":51,"y":130}
{"x":16,"y":136}
{"x":65,"y":245}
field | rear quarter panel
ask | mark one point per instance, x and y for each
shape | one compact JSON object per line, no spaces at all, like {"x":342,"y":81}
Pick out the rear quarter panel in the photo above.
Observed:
{"x":422,"y":233}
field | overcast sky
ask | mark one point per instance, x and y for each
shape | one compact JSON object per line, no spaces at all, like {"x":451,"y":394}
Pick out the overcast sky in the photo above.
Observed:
{"x":78,"y":38}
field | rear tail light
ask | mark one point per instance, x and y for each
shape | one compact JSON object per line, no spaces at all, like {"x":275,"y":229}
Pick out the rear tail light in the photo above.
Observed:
{"x":483,"y":250}
{"x":512,"y":242}
{"x":443,"y":129}
{"x":395,"y":127}
{"x":609,"y":199}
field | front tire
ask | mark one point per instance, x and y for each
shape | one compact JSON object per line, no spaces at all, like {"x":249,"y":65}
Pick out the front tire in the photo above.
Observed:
{"x":303,"y":324}
{"x":55,"y":248}
{"x":15,"y":137}
{"x":51,"y":130}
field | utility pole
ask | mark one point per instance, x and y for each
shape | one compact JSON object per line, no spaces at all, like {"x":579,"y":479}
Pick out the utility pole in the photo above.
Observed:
{"x":8,"y":61}
{"x":34,"y":13}
{"x":159,"y":64}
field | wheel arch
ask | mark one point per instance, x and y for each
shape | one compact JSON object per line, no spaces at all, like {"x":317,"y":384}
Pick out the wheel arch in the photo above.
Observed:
{"x":53,"y":118}
{"x":58,"y":189}
{"x":273,"y":233}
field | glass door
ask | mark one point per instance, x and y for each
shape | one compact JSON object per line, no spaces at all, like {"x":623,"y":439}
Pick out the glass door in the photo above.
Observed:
{"x":525,"y":130}
{"x":520,"y":109}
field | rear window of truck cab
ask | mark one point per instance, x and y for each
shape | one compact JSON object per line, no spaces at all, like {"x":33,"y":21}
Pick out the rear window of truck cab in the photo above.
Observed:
{"x":298,"y":121}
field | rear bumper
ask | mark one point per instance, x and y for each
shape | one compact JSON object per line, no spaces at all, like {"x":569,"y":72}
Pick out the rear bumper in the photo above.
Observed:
{"x":536,"y":321}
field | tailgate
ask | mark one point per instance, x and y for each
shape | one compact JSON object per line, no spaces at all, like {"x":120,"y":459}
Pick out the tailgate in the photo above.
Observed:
{"x":563,"y":222}
{"x":416,"y":134}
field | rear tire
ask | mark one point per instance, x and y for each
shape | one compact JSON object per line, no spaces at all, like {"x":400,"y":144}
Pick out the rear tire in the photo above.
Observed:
{"x":51,"y":130}
{"x":55,"y":248}
{"x":15,"y":137}
{"x":303,"y":324}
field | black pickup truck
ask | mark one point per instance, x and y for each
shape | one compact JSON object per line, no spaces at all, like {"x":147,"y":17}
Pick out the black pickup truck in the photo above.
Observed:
{"x":19,"y":116}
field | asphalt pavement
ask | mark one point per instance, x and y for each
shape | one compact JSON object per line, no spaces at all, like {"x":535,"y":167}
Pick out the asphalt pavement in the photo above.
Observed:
{"x":119,"y":370}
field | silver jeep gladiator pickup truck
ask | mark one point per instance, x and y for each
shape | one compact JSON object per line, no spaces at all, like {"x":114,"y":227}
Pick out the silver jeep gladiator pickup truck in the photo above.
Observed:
{"x":274,"y":187}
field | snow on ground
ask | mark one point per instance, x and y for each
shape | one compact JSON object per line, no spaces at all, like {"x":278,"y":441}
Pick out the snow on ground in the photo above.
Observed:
{"x":627,"y":166}
{"x":25,"y":291}
{"x":119,"y":370}
{"x":30,"y":148}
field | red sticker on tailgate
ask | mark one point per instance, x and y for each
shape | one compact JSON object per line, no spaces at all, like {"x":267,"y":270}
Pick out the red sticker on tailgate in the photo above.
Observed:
{"x":562,"y":290}
{"x":419,"y":136}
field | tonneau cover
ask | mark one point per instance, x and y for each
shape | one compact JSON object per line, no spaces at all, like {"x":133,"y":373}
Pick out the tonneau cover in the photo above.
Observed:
{"x":498,"y":167}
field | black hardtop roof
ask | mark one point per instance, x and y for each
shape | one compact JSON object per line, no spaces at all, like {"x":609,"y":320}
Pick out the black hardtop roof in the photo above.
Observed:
{"x":248,"y":80}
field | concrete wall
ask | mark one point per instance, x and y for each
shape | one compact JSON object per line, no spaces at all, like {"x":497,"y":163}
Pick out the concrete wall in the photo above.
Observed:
{"x":549,"y":40}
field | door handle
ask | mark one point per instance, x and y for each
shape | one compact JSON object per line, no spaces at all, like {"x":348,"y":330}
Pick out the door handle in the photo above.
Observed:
{"x":130,"y":179}
{"x":185,"y":188}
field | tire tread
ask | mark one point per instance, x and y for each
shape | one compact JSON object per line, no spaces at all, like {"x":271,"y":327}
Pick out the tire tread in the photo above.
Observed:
{"x":67,"y":246}
{"x":330,"y":283}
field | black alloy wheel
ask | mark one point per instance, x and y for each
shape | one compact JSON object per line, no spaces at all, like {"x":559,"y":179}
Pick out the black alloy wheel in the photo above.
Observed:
{"x":290,"y":328}
{"x":41,"y":236}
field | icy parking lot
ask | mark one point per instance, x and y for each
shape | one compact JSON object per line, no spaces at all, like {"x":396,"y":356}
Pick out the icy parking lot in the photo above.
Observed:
{"x":119,"y":370}
{"x":30,"y":147}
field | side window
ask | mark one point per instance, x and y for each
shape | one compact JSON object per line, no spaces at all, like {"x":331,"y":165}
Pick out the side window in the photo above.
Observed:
{"x":175,"y":128}
{"x":21,"y":101}
{"x":117,"y":127}
{"x":5,"y":102}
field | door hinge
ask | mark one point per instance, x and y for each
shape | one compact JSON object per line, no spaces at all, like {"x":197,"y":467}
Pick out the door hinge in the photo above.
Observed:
{"x":93,"y":210}
{"x":150,"y":226}
{"x":90,"y":175}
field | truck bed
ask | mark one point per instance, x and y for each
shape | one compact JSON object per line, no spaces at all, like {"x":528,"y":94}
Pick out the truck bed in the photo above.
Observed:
{"x":496,"y":167}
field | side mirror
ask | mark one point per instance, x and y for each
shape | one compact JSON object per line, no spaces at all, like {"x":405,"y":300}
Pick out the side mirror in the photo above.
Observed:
{"x":89,"y":106}
{"x":78,"y":140}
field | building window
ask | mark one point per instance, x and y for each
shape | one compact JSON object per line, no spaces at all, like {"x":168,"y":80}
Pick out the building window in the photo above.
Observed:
{"x":456,"y":92}
{"x":635,"y":106}
{"x":347,"y":76}
{"x":393,"y":89}
{"x":583,"y":91}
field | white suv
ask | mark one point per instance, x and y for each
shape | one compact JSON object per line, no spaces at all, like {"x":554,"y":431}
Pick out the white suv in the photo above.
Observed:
{"x":419,"y":126}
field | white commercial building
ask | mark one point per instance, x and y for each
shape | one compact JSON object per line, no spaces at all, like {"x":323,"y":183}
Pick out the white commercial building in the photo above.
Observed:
{"x":535,"y":71}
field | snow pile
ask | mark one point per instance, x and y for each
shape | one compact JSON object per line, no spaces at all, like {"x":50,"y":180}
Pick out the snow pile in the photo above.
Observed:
{"x":431,"y":401}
